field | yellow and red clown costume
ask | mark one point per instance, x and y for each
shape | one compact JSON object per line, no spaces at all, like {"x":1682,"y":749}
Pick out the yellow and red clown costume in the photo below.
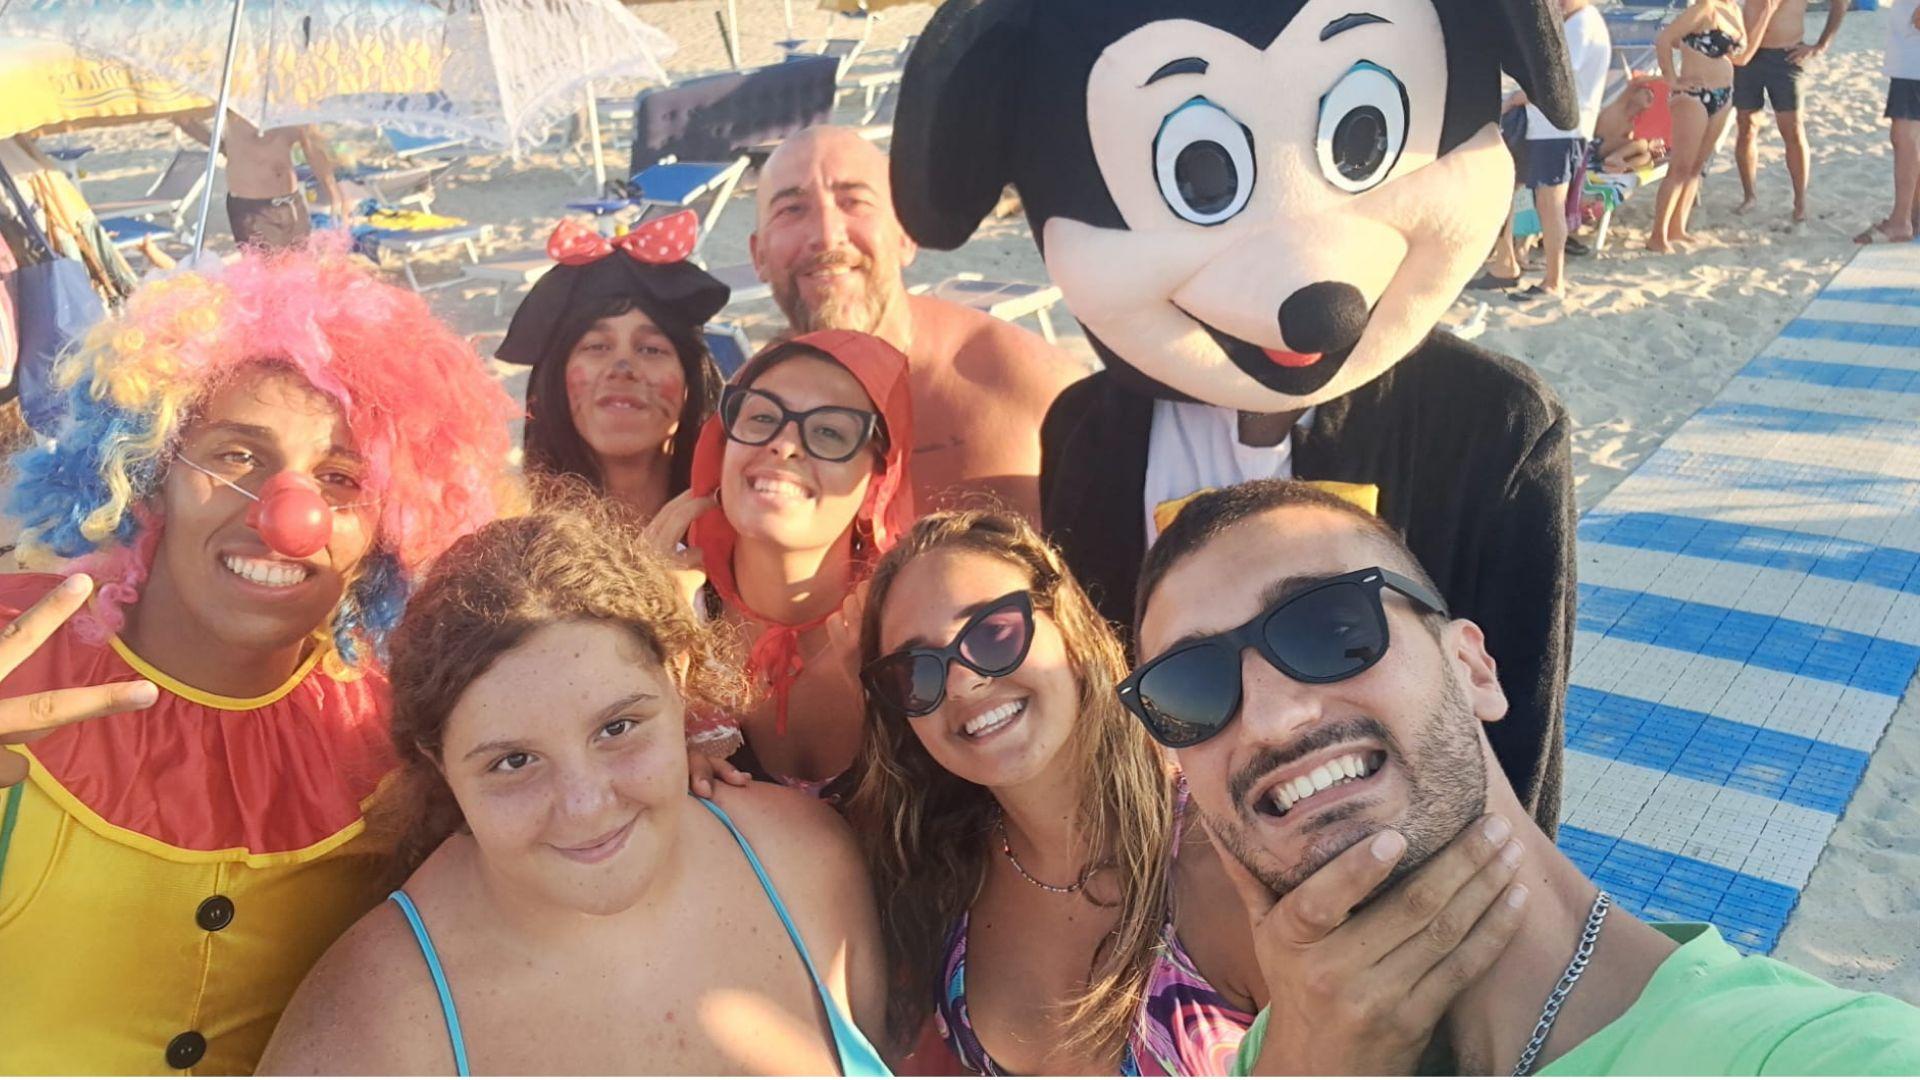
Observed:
{"x":168,"y":876}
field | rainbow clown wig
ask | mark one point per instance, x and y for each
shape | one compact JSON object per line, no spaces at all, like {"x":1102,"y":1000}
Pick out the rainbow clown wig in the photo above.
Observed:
{"x":427,"y":417}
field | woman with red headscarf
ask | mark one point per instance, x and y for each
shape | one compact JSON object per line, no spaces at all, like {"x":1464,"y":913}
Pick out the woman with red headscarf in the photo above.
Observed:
{"x":800,"y":482}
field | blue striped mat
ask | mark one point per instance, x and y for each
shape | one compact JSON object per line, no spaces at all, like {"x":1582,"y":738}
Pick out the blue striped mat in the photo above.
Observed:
{"x":1750,"y":617}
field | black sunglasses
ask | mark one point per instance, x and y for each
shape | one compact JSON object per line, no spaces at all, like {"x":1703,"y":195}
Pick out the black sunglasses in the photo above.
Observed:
{"x":1333,"y":630}
{"x":993,"y":643}
{"x":830,"y":432}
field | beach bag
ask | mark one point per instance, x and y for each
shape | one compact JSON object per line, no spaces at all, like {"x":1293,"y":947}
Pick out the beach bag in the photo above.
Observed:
{"x":55,"y":306}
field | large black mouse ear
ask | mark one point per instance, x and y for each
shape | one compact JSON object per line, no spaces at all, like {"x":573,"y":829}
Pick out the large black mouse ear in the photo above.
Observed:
{"x":950,"y":128}
{"x":1534,"y":52}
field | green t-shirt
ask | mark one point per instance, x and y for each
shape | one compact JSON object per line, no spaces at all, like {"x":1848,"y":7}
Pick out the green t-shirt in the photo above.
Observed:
{"x":1708,"y":1011}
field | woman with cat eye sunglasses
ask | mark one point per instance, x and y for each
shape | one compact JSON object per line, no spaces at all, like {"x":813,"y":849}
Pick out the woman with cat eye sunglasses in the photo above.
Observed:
{"x":1009,"y":807}
{"x":913,"y":682}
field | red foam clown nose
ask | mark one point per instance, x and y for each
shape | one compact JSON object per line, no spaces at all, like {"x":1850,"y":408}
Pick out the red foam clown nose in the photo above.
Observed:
{"x":291,"y":516}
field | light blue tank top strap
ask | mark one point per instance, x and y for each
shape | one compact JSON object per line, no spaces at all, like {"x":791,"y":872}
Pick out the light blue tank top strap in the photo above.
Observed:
{"x":857,"y":1055}
{"x":440,"y":986}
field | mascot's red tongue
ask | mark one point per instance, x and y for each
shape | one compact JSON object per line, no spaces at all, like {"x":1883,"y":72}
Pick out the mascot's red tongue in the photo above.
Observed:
{"x":1293,"y":359}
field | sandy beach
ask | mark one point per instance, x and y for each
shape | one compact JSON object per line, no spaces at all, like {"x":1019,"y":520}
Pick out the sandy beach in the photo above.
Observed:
{"x":1640,"y":344}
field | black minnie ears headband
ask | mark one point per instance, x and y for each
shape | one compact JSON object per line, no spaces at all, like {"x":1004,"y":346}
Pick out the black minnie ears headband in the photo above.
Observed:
{"x":647,"y":267}
{"x":958,"y":126}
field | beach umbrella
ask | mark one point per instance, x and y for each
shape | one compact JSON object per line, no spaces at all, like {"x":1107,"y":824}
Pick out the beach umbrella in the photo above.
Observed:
{"x":48,"y":87}
{"x":727,"y":13}
{"x":498,"y":72}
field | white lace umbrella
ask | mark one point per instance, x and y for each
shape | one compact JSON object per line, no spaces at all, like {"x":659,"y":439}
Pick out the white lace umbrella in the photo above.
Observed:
{"x":495,"y":71}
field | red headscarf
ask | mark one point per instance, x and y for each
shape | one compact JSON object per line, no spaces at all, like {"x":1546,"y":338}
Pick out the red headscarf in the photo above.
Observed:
{"x":883,"y":518}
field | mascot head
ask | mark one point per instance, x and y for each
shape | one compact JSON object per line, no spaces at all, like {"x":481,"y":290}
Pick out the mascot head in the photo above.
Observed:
{"x":1258,"y":204}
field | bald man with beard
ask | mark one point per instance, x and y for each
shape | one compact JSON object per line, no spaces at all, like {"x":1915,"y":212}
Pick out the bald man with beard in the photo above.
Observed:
{"x":827,"y":241}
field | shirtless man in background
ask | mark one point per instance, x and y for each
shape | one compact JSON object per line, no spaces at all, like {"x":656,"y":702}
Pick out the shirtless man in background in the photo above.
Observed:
{"x":828,"y":242}
{"x":1772,"y":76}
{"x":265,"y":205}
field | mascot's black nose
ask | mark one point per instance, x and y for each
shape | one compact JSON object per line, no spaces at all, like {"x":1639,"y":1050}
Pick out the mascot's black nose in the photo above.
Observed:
{"x":1324,"y":317}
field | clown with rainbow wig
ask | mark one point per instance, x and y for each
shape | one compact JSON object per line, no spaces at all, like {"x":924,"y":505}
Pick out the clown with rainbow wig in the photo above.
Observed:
{"x":256,"y":462}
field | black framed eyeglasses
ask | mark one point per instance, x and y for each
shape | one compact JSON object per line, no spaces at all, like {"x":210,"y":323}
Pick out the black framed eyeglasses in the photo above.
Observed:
{"x":1330,"y":631}
{"x":830,"y":432}
{"x":993,"y":643}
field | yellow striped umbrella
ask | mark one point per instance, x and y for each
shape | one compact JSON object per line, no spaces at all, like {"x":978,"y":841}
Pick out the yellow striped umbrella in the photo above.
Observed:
{"x":47,"y":87}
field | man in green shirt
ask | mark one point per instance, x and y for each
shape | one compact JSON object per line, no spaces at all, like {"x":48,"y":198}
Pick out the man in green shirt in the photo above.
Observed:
{"x":1319,"y":699}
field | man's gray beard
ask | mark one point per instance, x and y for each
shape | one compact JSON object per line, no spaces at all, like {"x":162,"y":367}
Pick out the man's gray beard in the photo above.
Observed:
{"x":1448,"y":780}
{"x":863,"y":312}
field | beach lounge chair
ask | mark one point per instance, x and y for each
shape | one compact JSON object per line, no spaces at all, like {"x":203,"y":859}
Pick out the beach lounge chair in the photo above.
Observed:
{"x":729,"y":345}
{"x":843,"y":50}
{"x":407,"y":146}
{"x":877,"y":85}
{"x":68,"y":158}
{"x":743,"y":284}
{"x":406,"y":234}
{"x":720,"y":117}
{"x":705,"y":187}
{"x":129,"y":233}
{"x":509,"y":275}
{"x":172,"y":195}
{"x":408,"y":185}
{"x":1632,"y":30}
{"x":1006,"y":300}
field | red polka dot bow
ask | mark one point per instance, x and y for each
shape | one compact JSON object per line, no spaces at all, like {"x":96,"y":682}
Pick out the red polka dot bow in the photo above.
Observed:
{"x":663,"y":240}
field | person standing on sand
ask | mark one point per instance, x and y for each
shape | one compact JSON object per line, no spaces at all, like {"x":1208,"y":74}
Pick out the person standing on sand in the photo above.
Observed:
{"x":1549,"y":160}
{"x":827,"y":241}
{"x":265,"y":205}
{"x":1903,"y":108}
{"x":1773,"y":75}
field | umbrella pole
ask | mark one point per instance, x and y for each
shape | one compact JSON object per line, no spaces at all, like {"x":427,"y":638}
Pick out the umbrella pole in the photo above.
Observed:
{"x":593,"y":134}
{"x":733,"y":32}
{"x":219,"y":129}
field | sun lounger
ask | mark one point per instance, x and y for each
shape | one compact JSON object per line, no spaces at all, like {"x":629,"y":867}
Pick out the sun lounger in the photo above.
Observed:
{"x":405,"y":244}
{"x":705,"y":187}
{"x":718,"y":118}
{"x":1633,"y":30}
{"x":729,"y":345}
{"x":408,"y":185}
{"x":407,"y":146}
{"x":507,"y":275}
{"x":128,"y":233}
{"x":173,"y":194}
{"x":743,"y":283}
{"x":1005,"y":300}
{"x":68,"y":157}
{"x":877,"y":85}
{"x":844,"y":50}
{"x":411,"y":185}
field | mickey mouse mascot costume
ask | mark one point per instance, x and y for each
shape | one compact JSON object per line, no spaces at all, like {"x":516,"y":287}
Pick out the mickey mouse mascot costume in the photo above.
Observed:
{"x":1259,"y":209}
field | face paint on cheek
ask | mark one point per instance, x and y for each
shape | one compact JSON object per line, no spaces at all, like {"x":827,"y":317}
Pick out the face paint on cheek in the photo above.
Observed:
{"x":579,"y":381}
{"x":671,"y":389}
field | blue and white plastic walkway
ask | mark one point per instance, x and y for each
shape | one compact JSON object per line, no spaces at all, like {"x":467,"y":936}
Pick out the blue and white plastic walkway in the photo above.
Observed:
{"x":1750,"y":616}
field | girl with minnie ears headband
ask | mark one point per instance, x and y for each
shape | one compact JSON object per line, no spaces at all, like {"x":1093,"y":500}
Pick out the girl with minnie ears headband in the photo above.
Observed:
{"x":622,"y":378}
